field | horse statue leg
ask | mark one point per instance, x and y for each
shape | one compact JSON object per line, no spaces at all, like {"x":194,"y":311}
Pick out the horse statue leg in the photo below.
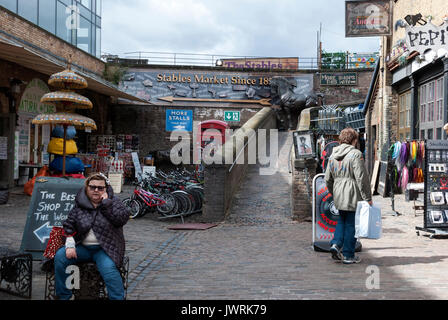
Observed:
{"x":288,"y":115}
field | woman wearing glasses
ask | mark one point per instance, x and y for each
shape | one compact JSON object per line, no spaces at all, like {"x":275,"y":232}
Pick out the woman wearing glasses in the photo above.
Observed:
{"x":94,"y":230}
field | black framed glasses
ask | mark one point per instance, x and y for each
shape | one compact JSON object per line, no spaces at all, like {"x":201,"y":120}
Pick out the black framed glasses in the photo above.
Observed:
{"x":100,"y":188}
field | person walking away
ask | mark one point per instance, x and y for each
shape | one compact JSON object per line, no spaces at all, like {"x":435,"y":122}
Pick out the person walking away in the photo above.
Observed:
{"x":347,"y":180}
{"x":94,"y":230}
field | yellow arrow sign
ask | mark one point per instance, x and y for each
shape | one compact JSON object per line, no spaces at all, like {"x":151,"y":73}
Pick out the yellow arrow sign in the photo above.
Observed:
{"x":264,"y":102}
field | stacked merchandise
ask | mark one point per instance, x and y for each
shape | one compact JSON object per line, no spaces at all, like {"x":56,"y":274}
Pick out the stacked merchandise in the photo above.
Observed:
{"x":409,"y":163}
{"x":127,"y":143}
{"x":73,"y":165}
{"x":128,"y":165}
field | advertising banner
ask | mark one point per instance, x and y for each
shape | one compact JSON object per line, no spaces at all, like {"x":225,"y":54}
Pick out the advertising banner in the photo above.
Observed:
{"x":262,"y":63}
{"x":368,"y":18}
{"x":325,"y":216}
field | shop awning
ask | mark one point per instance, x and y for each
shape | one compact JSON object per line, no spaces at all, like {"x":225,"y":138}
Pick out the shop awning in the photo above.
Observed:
{"x":46,"y":63}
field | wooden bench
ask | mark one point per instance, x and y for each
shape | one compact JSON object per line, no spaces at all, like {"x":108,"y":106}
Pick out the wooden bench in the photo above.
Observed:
{"x":91,"y":285}
{"x":16,"y":271}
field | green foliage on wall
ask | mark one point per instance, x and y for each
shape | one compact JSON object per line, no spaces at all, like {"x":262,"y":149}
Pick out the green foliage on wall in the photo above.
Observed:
{"x":114,"y":73}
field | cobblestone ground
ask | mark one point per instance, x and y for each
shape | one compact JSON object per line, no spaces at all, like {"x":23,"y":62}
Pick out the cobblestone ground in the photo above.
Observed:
{"x":259,"y":252}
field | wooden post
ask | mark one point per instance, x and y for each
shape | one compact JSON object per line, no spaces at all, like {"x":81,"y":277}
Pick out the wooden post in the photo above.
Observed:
{"x":64,"y":150}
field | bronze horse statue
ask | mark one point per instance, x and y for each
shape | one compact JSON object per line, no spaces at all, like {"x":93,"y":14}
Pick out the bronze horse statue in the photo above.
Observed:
{"x":283,"y":95}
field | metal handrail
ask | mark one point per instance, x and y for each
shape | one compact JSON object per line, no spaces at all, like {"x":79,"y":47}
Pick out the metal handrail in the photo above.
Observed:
{"x":203,"y":59}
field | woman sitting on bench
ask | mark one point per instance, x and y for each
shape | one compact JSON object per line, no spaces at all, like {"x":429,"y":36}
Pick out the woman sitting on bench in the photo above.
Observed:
{"x":94,"y":230}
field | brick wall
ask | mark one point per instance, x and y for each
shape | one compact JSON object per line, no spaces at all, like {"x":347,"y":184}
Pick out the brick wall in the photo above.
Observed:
{"x":20,"y":28}
{"x":302,"y":190}
{"x":149,"y":123}
{"x":223,"y":180}
{"x":338,"y":94}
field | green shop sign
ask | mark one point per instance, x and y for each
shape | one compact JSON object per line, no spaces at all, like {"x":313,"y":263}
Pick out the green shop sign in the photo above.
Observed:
{"x":30,"y":101}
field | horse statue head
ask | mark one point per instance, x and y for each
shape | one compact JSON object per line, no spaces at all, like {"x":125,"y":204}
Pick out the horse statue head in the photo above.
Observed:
{"x":283,"y":95}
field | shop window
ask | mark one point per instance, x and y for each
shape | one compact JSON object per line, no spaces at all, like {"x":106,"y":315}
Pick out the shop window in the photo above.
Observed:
{"x":404,"y":109}
{"x":422,"y":113}
{"x":423,"y":103}
{"x":439,"y":99}
{"x":430,"y":101}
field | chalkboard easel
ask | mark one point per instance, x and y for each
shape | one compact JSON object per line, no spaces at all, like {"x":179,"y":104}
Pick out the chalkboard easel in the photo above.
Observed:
{"x":383,"y":183}
{"x":51,"y":201}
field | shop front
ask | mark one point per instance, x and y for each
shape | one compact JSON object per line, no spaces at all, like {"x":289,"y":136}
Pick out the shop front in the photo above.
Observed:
{"x":32,"y":139}
{"x":23,"y":82}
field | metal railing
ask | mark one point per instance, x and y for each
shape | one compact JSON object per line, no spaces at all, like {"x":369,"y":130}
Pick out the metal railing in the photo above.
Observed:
{"x":216,"y":60}
{"x":195,"y":59}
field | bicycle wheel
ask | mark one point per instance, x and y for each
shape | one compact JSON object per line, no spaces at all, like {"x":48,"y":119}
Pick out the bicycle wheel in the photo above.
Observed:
{"x":197,"y":198}
{"x":185,"y":202}
{"x":168,"y":207}
{"x":135,"y":208}
{"x":182,"y":202}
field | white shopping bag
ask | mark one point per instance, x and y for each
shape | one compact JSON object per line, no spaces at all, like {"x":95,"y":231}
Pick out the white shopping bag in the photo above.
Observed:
{"x":367,"y":221}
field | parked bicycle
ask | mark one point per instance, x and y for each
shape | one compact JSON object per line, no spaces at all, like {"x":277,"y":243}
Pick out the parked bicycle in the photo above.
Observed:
{"x":142,"y":202}
{"x":172,"y":194}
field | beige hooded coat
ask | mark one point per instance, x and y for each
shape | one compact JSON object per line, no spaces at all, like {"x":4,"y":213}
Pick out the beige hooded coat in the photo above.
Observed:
{"x":347,"y":178}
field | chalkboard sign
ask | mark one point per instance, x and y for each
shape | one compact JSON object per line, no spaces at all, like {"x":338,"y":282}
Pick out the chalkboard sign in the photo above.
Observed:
{"x":51,"y":201}
{"x":383,"y":183}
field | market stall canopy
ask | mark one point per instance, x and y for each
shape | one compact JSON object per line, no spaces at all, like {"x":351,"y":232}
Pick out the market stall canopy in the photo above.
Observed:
{"x":31,"y":57}
{"x":67,"y":100}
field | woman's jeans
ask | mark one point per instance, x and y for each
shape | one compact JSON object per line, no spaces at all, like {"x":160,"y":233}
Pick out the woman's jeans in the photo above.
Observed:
{"x":105,"y":265}
{"x":344,"y":236}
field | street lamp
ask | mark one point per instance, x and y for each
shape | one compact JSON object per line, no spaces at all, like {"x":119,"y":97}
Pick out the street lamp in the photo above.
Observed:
{"x":15,"y":85}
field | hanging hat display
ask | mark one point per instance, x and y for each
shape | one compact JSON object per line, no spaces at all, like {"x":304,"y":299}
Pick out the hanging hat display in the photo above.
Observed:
{"x":66,"y":101}
{"x":67,"y":79}
{"x":65,"y":118}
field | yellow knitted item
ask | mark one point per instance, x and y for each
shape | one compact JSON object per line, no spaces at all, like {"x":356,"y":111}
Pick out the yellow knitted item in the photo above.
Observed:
{"x":56,"y":146}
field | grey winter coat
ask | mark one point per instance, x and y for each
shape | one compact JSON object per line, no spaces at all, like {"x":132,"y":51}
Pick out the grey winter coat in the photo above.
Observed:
{"x":346,"y":177}
{"x":106,"y":221}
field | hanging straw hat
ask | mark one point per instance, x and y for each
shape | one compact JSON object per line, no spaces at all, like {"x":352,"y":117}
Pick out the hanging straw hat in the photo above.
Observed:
{"x":65,"y":118}
{"x":67,"y":99}
{"x":67,"y":79}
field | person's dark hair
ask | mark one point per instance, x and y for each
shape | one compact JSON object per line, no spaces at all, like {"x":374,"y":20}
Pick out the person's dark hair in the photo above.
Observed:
{"x":348,"y":135}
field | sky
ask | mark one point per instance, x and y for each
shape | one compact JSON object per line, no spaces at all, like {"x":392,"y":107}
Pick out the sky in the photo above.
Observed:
{"x":262,"y":28}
